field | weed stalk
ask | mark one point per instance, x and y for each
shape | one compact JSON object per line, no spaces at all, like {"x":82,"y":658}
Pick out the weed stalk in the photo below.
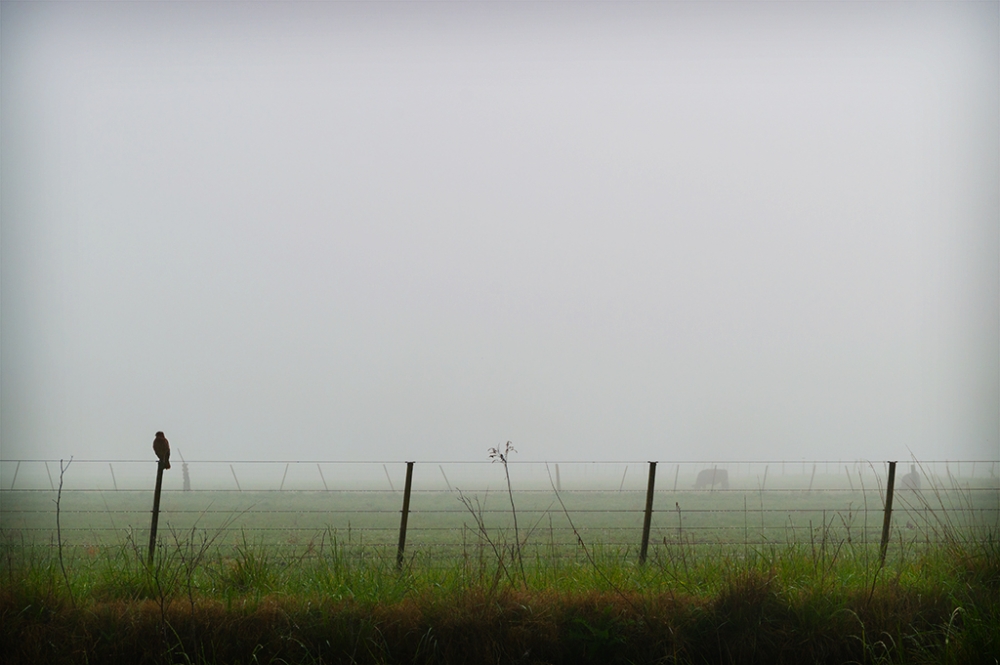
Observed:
{"x":62,"y":564}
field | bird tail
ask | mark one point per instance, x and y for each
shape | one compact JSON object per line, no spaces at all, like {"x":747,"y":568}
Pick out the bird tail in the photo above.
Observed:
{"x":166,"y":463}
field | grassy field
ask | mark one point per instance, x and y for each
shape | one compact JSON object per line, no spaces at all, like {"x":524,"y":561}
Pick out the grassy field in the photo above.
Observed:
{"x":446,"y":521}
{"x":785,"y":575}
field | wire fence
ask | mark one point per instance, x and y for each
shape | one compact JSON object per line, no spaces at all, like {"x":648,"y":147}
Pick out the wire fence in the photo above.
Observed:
{"x":303,"y":506}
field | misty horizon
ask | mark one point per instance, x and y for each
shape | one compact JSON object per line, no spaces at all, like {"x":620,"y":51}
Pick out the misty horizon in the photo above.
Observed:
{"x":414,"y":231}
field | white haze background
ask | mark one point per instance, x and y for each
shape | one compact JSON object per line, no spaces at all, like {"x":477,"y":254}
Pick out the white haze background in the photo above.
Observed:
{"x":386,"y":231}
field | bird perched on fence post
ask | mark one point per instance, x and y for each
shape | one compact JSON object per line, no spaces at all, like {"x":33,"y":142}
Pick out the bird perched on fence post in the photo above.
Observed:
{"x":162,"y":449}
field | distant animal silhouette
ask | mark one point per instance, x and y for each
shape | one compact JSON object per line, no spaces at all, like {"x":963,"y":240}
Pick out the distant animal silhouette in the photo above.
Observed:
{"x":712,"y":477}
{"x":911,"y":481}
{"x":162,"y":449}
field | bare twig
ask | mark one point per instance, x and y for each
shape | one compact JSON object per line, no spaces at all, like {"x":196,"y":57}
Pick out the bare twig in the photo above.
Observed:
{"x":62,"y":565}
{"x":498,"y":551}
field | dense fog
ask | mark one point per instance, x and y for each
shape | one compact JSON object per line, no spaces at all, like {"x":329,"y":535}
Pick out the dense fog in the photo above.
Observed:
{"x":413,"y":231}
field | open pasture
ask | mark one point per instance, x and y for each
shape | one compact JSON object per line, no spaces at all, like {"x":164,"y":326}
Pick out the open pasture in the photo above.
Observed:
{"x":456,"y":507}
{"x":775,"y":568}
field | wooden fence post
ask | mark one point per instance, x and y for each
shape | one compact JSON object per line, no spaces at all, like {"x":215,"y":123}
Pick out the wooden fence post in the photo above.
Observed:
{"x":156,"y":510}
{"x":647,"y":520}
{"x":406,"y":514}
{"x":888,"y":510}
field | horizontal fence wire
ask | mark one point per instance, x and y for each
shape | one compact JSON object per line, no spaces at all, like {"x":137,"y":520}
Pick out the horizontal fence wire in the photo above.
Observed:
{"x":301,"y":507}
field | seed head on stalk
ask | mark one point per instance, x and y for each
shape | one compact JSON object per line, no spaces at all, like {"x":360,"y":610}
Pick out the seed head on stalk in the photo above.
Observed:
{"x":497,"y":456}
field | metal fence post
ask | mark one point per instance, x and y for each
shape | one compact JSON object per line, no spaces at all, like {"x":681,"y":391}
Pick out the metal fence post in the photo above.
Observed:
{"x":406,"y":514}
{"x":649,"y":512}
{"x":156,"y":510}
{"x":888,"y":510}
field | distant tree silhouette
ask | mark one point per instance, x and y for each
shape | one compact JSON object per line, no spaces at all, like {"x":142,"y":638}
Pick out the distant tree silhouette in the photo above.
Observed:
{"x":911,"y":481}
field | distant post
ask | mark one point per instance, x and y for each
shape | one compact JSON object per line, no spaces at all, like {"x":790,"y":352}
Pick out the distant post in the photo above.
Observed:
{"x":156,"y":510}
{"x":647,"y":520}
{"x":406,"y":514}
{"x":888,"y":510}
{"x":186,"y":475}
{"x":445,"y":477}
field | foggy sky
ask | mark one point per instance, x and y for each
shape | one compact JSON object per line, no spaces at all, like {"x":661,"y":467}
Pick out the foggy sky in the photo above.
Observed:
{"x":414,"y":231}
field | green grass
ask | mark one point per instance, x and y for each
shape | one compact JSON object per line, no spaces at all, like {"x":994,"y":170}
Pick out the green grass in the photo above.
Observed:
{"x":780,"y":604}
{"x":310,"y":577}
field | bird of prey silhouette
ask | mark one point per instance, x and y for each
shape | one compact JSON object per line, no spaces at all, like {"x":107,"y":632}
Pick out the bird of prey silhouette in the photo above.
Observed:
{"x":162,"y":449}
